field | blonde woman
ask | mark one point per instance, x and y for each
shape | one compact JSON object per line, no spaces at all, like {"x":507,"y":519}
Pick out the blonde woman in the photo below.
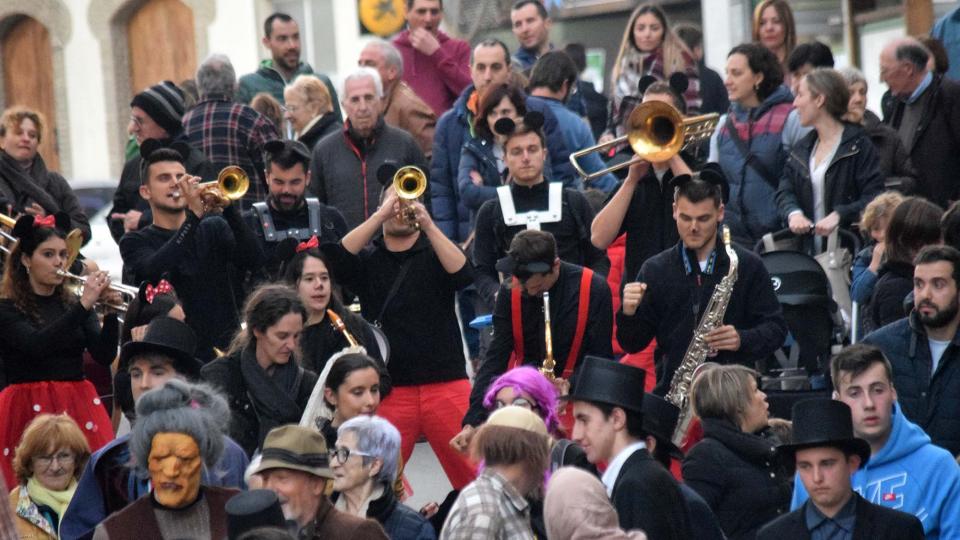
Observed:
{"x":650,"y":47}
{"x":309,"y":109}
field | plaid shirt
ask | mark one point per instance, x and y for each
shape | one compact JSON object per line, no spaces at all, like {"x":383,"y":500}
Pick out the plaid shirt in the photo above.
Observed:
{"x":231,"y":133}
{"x":488,"y":508}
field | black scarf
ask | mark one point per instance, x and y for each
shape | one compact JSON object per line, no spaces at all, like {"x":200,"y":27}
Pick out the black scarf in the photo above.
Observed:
{"x":20,"y":187}
{"x":273,"y":395}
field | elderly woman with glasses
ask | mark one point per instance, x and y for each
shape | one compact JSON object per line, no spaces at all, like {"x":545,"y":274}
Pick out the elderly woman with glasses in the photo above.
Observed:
{"x":364,"y":463}
{"x":48,"y":463}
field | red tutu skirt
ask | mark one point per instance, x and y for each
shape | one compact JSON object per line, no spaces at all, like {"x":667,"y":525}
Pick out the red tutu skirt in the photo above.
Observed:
{"x":21,"y":403}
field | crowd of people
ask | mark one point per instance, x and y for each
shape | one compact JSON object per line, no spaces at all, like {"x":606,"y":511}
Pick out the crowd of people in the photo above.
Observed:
{"x":417,"y":257}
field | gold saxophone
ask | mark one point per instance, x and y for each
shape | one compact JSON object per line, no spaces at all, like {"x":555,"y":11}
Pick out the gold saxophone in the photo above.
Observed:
{"x":698,"y":349}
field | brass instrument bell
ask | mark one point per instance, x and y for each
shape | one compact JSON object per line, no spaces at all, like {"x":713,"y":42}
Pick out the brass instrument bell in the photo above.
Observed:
{"x":410,"y":182}
{"x":231,"y":185}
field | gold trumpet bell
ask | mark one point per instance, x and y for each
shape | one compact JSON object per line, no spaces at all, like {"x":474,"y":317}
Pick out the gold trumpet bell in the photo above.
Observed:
{"x":231,"y":185}
{"x":410,"y":182}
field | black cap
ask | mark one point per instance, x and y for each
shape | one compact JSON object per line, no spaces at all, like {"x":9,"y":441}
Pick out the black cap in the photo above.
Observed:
{"x":252,"y":509}
{"x":168,"y":337}
{"x":660,"y":420}
{"x":522,"y":269}
{"x":823,"y":422}
{"x":602,"y":380}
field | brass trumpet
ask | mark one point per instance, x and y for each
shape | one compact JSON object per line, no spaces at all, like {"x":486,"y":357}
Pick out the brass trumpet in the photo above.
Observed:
{"x":410,"y":182}
{"x":231,"y":184}
{"x":656,"y":131}
{"x":127,"y":292}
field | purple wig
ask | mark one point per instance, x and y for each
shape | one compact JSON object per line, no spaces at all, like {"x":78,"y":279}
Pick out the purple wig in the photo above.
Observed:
{"x":528,"y":380}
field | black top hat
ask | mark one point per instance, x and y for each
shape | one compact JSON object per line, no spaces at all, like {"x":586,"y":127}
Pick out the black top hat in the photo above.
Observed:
{"x":824,"y":422}
{"x":249,"y":510}
{"x":659,"y":420}
{"x":602,"y":380}
{"x":168,"y":337}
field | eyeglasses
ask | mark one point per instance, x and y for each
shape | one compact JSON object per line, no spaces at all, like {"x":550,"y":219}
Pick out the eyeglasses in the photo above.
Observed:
{"x":136,"y":120}
{"x":517,"y":402}
{"x":342,"y":454}
{"x":65,"y":458}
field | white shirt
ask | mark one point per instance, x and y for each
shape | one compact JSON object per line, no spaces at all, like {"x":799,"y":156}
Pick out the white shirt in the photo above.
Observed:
{"x":937,"y":349}
{"x":610,"y":475}
{"x":818,"y":175}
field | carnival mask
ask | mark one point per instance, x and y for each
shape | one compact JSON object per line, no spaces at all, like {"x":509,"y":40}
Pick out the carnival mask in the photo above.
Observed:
{"x":175,"y":467}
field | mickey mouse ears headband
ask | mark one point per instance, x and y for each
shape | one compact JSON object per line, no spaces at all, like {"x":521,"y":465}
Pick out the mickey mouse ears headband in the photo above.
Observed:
{"x":150,"y":146}
{"x":711,"y":173}
{"x":532,"y":121}
{"x":26,"y":225}
{"x":678,"y":82}
{"x":277,"y":146}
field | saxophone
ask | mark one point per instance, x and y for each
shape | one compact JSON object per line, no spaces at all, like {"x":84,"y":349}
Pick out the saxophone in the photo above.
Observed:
{"x":679,"y":393}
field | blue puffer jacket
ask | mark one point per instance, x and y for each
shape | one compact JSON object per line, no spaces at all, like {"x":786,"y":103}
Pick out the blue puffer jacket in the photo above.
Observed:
{"x":768,"y":132}
{"x":448,"y":211}
{"x":477,"y":155}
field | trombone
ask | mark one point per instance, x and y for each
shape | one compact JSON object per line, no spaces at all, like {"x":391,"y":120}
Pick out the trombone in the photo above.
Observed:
{"x":656,"y":131}
{"x":410,"y":182}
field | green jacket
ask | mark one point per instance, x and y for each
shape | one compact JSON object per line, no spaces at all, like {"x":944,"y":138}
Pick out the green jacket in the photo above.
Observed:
{"x":268,"y":79}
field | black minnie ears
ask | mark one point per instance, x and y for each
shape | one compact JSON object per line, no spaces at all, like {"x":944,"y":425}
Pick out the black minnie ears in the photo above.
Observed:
{"x":150,"y":146}
{"x":711,"y":173}
{"x":26,"y":224}
{"x":277,"y":146}
{"x":678,"y":82}
{"x":386,"y":172}
{"x":533,"y":121}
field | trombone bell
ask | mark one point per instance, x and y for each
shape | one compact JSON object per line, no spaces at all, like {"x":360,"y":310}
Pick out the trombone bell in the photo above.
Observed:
{"x":656,"y":132}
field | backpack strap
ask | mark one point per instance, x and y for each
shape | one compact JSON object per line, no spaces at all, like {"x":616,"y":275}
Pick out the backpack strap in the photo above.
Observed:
{"x":516,"y":316}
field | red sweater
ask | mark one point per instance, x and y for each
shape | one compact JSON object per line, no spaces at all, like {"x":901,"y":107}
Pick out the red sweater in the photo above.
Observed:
{"x":439,"y":78}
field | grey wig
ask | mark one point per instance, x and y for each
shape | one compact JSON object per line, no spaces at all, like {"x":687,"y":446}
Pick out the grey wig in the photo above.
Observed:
{"x":196,"y":410}
{"x":377,"y":437}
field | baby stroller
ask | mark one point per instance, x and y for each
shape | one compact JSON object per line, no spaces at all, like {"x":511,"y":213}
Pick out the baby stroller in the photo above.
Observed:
{"x":800,"y":368}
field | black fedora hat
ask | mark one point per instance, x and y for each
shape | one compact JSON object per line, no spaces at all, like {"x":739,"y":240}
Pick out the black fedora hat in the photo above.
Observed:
{"x":602,"y":380}
{"x":168,"y":337}
{"x":659,"y":420}
{"x":823,"y":422}
{"x":249,"y":510}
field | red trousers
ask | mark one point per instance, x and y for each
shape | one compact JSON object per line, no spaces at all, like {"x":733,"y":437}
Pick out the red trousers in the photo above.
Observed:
{"x":435,"y":411}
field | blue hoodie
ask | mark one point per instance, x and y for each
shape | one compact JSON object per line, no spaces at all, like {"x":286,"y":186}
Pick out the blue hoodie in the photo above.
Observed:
{"x":912,"y":475}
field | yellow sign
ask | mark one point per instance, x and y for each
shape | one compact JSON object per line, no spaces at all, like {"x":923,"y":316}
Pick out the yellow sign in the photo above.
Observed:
{"x":383,"y":17}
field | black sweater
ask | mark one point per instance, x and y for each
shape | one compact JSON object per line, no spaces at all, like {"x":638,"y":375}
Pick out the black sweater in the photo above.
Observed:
{"x":53,"y":350}
{"x":675,"y":300}
{"x":197,"y":258}
{"x":572,"y":233}
{"x":420,"y":321}
{"x":564,"y":305}
{"x":648,"y":223}
{"x":321,"y":341}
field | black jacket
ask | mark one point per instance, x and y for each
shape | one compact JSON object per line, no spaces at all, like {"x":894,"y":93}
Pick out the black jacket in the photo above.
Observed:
{"x":895,"y":165}
{"x":930,"y":400}
{"x":398,"y":520}
{"x":22,"y":187}
{"x":675,"y":301}
{"x":572,"y":232}
{"x":419,"y":321}
{"x":873,"y":522}
{"x":894,"y":283}
{"x":327,"y":124}
{"x":647,"y":497}
{"x":712,"y":91}
{"x":564,"y":306}
{"x":224,"y":373}
{"x":738,"y":475}
{"x":935,"y":151}
{"x":852,"y":180}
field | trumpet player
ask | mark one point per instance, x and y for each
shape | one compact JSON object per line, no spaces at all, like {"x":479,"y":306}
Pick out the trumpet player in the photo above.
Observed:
{"x":407,"y":280}
{"x":581,"y":320}
{"x":46,"y":331}
{"x":193,"y":242}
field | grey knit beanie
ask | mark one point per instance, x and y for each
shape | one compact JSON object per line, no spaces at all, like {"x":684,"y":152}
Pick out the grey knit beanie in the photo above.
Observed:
{"x":164,"y":103}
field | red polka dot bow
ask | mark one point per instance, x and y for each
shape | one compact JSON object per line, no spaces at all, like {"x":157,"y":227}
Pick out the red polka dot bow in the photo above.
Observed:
{"x":47,"y":221}
{"x":163,"y":287}
{"x":309,"y":244}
